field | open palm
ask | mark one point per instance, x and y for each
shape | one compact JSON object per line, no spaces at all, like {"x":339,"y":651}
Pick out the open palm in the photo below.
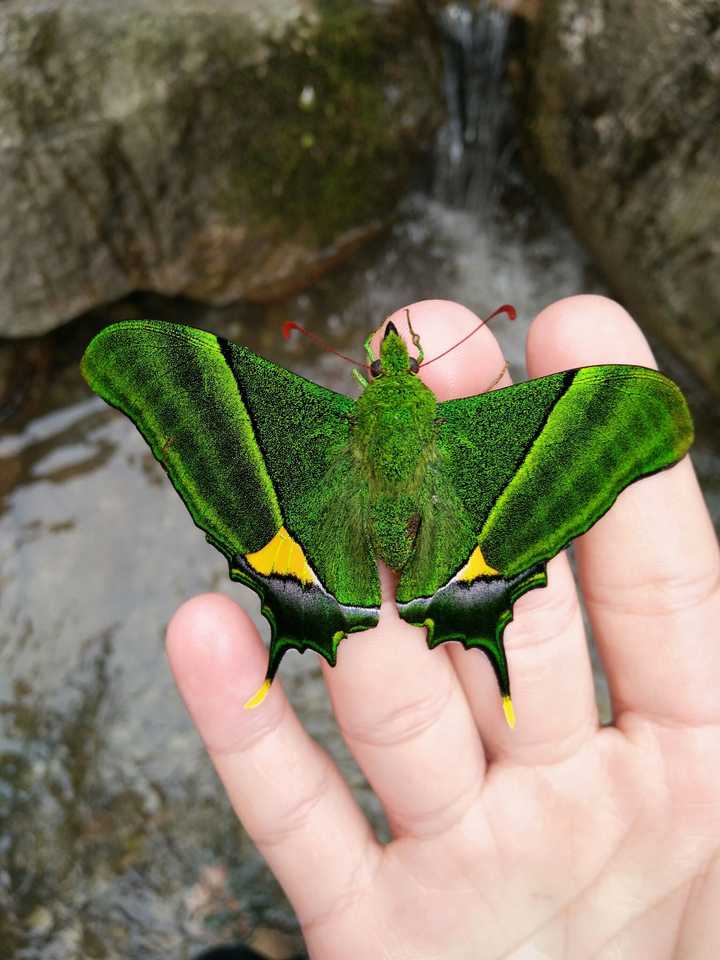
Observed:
{"x":558,"y":839}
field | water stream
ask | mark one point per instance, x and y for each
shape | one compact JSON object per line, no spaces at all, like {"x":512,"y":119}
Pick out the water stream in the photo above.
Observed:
{"x":469,"y":157}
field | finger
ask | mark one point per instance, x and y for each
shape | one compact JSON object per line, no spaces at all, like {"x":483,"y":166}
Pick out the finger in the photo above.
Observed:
{"x":649,"y":568}
{"x":470,"y":368}
{"x":550,"y":669}
{"x":287,"y":793}
{"x":400,"y":706}
{"x":550,"y":674}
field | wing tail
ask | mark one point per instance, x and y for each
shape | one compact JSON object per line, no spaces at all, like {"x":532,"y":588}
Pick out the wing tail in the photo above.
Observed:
{"x":475,"y":611}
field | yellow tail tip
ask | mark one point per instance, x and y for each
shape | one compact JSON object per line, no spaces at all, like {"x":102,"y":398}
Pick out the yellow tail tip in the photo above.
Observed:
{"x":509,"y":712}
{"x":257,"y":698}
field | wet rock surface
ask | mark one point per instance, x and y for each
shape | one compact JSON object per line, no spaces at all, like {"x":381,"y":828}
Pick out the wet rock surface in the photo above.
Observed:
{"x":623,"y":114}
{"x":204,"y":148}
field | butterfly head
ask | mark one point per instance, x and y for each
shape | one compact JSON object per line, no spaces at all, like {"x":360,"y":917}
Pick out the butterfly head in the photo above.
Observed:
{"x":394,"y":357}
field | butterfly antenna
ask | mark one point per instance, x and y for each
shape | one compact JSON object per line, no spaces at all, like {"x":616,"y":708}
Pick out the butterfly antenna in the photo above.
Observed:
{"x":509,"y":311}
{"x":290,"y":325}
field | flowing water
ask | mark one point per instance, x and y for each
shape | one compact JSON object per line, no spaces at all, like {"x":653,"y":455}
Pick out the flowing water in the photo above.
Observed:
{"x":115,"y":839}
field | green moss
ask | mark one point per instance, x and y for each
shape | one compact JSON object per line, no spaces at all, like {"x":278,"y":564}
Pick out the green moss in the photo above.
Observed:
{"x":317,"y":143}
{"x":309,"y":130}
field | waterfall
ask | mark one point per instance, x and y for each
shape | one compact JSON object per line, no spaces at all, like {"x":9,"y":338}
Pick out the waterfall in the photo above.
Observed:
{"x":474,"y":40}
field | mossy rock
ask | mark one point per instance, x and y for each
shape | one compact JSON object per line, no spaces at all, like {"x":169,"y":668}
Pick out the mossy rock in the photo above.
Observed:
{"x":623,"y":118}
{"x":207,"y":148}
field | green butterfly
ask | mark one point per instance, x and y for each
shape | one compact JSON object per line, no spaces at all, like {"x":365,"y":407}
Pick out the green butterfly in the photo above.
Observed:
{"x":303,"y":489}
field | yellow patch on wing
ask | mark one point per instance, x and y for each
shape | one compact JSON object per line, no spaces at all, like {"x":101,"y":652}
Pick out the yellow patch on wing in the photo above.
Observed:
{"x":283,"y":557}
{"x":477,"y":566}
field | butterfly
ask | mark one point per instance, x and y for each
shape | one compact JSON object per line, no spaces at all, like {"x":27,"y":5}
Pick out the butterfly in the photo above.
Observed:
{"x":303,"y":489}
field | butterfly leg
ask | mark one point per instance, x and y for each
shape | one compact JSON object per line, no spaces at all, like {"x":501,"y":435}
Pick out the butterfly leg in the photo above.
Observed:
{"x":367,"y":347}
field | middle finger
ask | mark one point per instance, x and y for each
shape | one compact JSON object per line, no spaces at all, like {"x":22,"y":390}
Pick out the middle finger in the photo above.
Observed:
{"x":400,"y":706}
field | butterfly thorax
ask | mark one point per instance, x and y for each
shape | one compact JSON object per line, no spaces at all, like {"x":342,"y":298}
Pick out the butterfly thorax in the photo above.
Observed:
{"x":392,"y":442}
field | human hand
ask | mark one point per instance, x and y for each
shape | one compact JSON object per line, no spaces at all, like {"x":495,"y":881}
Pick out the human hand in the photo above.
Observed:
{"x":556,"y":839}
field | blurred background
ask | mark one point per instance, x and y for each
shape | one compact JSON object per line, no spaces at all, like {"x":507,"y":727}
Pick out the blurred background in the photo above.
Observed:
{"x":235,"y":164}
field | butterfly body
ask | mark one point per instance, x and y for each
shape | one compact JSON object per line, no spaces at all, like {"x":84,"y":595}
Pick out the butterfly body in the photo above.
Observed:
{"x":393,"y":445}
{"x":303,"y":489}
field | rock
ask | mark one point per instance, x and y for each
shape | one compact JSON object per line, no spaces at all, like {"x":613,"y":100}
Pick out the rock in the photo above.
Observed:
{"x":40,"y":922}
{"x":528,"y":9}
{"x":216,"y":149}
{"x":274,"y":945}
{"x":623,"y":114}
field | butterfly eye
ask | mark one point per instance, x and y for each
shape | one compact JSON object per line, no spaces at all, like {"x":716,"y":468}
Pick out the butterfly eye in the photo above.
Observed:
{"x":413,"y":365}
{"x":375,"y":368}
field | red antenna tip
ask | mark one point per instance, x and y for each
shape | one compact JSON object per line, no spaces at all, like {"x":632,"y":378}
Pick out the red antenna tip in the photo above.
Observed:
{"x":288,"y":327}
{"x":506,"y":308}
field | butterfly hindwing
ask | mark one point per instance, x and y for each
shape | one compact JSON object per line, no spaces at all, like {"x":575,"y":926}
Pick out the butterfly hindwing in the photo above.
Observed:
{"x":533,"y":466}
{"x":247,"y":445}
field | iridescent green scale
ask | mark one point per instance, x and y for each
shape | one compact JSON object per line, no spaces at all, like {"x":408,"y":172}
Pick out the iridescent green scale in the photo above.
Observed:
{"x":304,"y":490}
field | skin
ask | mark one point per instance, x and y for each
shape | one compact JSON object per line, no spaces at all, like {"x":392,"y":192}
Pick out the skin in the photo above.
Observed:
{"x":556,"y":840}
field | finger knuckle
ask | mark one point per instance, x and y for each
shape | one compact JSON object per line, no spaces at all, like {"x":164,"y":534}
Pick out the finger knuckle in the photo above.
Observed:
{"x":402,"y":723}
